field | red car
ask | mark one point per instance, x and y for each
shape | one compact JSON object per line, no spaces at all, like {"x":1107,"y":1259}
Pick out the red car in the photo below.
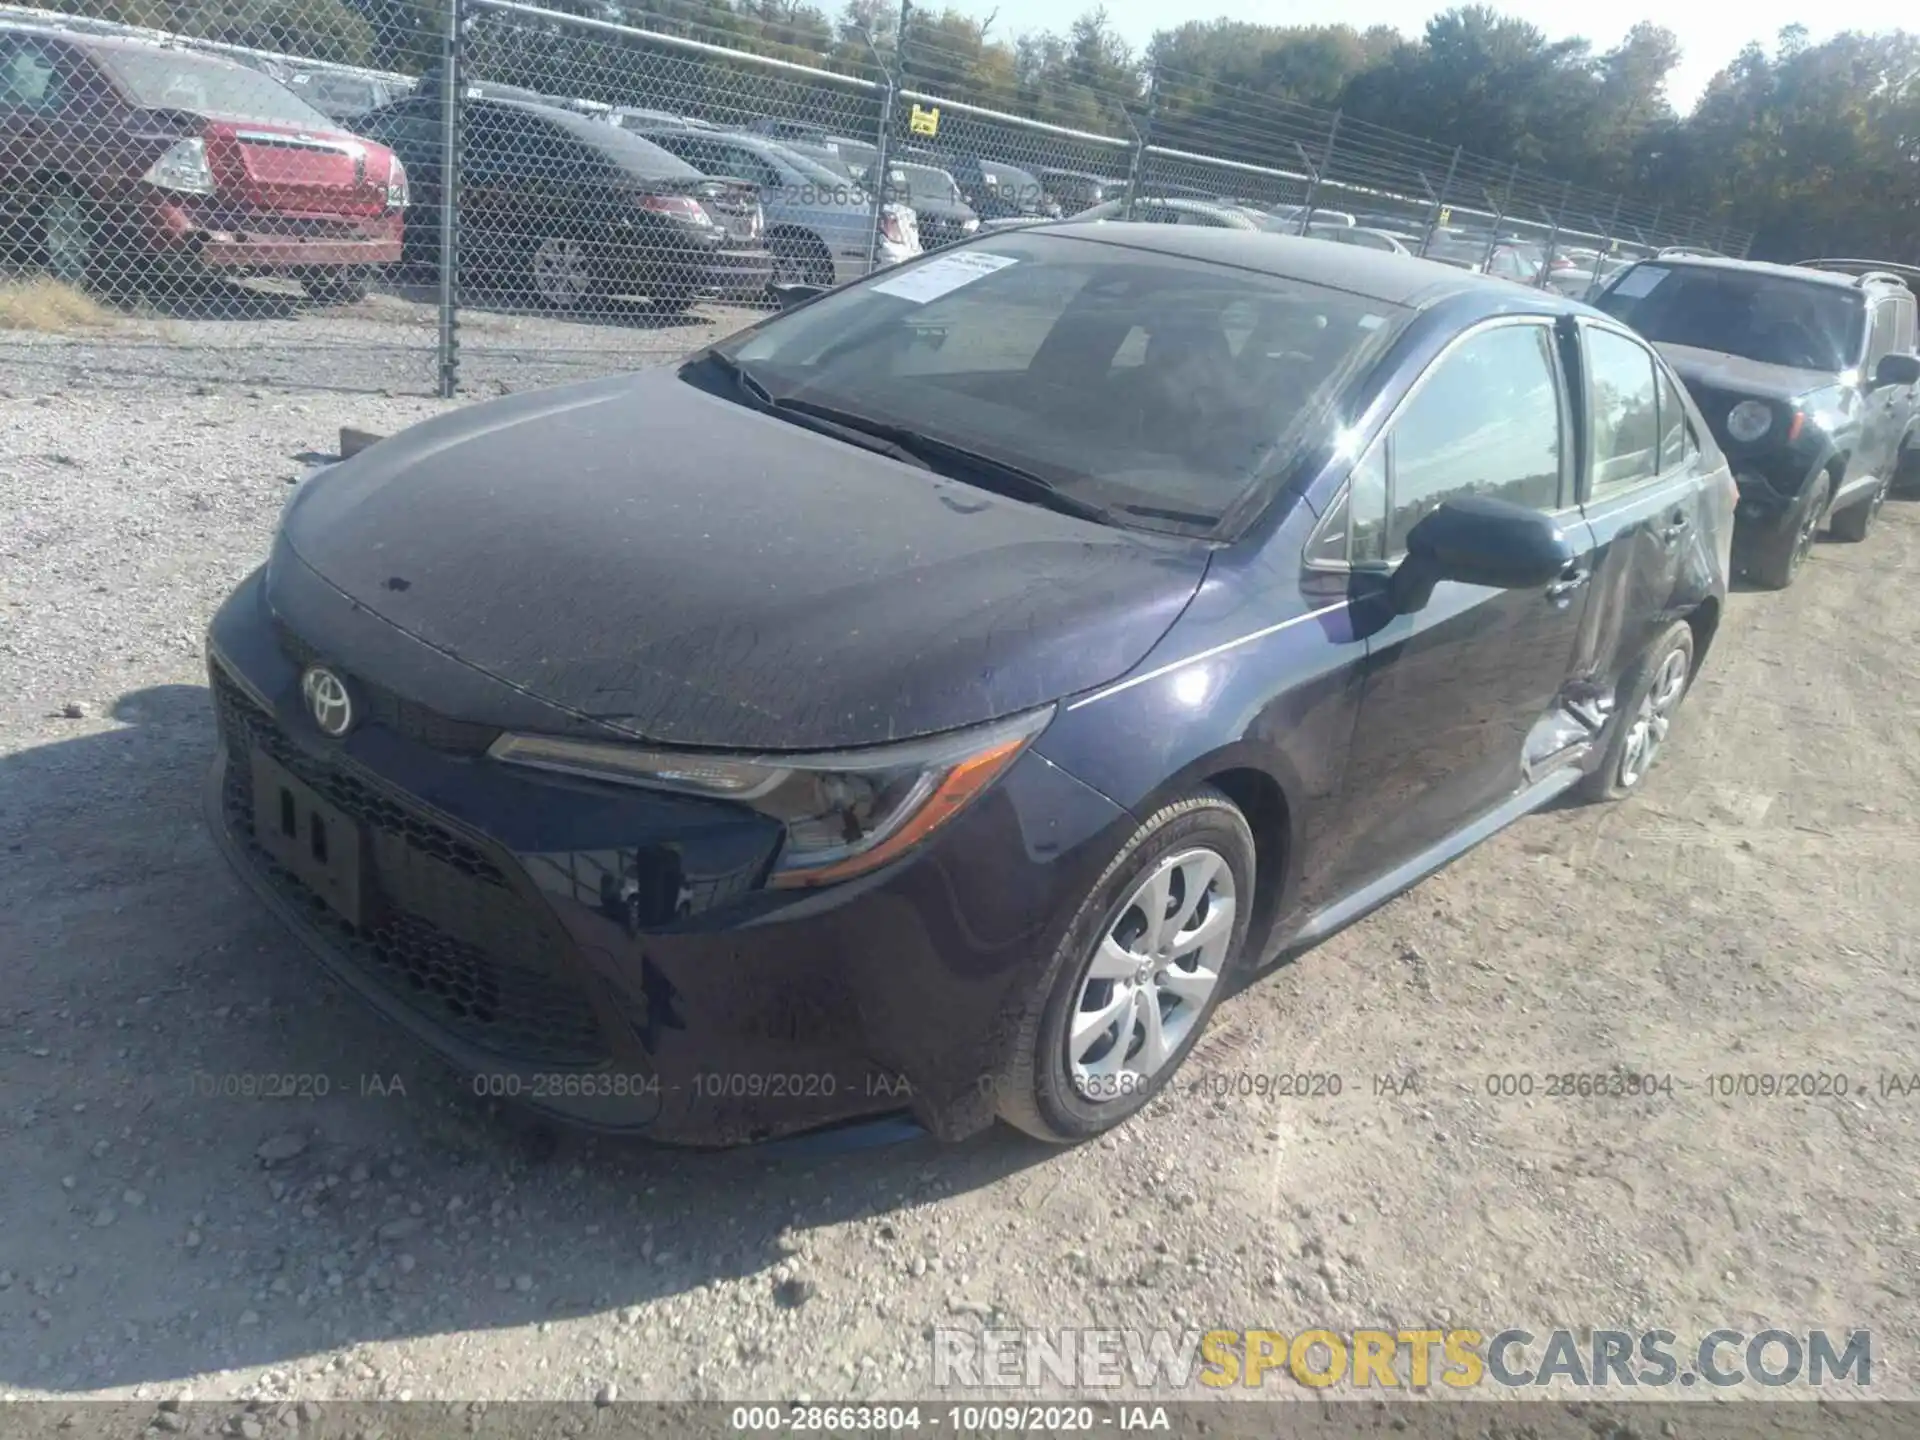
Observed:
{"x":124,"y":163}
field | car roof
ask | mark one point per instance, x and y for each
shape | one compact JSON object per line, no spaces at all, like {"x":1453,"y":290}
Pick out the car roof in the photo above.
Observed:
{"x":132,"y":43}
{"x":1754,"y":267}
{"x":1375,"y":274}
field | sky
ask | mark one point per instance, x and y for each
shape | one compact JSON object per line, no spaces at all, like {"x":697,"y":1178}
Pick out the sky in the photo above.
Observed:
{"x":1710,"y":35}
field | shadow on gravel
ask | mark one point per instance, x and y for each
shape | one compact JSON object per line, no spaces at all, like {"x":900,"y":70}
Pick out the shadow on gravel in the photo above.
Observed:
{"x":216,"y":1159}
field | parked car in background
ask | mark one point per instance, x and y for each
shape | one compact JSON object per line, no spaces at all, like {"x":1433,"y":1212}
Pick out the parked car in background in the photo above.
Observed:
{"x":827,"y":157}
{"x":562,"y":207}
{"x":1364,"y":236}
{"x":1807,"y":379}
{"x":819,"y":224}
{"x":637,"y":117}
{"x":998,"y":191}
{"x":127,"y":165}
{"x":1084,"y":720}
{"x":778,"y":129}
{"x":944,"y":216}
{"x":1172,"y":210}
{"x":344,"y":94}
{"x":1075,"y":191}
{"x":1582,"y":271}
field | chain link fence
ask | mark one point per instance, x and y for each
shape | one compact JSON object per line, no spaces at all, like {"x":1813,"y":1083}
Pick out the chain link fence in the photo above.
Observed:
{"x":497,"y":194}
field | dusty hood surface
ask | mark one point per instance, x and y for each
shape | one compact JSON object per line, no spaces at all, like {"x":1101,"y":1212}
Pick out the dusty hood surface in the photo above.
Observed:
{"x":693,"y":572}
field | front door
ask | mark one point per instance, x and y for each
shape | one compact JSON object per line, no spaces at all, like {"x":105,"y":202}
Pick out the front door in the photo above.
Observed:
{"x":1460,"y":695}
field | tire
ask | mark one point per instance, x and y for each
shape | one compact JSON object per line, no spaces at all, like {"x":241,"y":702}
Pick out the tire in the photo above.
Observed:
{"x":338,"y":287}
{"x":1201,"y":840}
{"x":1649,"y":698}
{"x":1906,"y":470}
{"x":1778,"y":557}
{"x":559,"y":272}
{"x":67,"y":237}
{"x":799,"y":258}
{"x":1852,"y":523}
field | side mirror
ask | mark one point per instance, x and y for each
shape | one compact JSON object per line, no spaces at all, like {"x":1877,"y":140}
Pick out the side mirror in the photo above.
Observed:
{"x":1897,"y":369}
{"x":792,"y":294}
{"x":1478,"y":540}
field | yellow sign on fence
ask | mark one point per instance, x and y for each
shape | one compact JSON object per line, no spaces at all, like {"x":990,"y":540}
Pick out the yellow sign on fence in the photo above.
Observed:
{"x":924,"y":122}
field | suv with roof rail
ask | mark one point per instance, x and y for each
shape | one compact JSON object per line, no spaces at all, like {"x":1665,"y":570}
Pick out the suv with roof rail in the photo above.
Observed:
{"x":1807,"y":379}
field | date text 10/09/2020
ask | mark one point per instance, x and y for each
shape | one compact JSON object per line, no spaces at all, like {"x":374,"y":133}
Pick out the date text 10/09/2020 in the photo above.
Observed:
{"x":293,"y":1085}
{"x":1046,"y":1419}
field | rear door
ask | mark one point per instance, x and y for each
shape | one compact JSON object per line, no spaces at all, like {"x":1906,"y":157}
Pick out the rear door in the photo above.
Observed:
{"x":1643,"y":494}
{"x":1462,"y":702}
{"x":1884,"y":421}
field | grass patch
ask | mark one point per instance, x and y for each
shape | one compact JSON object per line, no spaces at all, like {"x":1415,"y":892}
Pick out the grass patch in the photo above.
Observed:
{"x":48,"y":306}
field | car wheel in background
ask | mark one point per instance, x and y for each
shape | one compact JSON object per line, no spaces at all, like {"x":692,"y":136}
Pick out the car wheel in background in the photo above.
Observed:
{"x":1852,"y":523}
{"x":1133,"y":983}
{"x":1778,"y":556}
{"x":346,"y":286}
{"x":799,"y":258}
{"x":559,"y":272}
{"x":1648,"y":700}
{"x":69,"y":239}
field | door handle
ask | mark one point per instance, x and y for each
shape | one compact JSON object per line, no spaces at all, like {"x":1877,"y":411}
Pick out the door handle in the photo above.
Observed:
{"x":1676,"y":527}
{"x":1560,"y":589}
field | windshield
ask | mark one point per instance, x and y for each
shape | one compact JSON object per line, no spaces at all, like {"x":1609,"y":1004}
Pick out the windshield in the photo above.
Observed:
{"x":1169,"y":392}
{"x":1770,"y":318}
{"x":349,"y":92}
{"x":169,"y":80}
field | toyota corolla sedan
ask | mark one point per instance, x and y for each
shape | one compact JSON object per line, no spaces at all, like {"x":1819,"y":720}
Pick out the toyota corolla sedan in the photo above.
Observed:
{"x":932,"y":699}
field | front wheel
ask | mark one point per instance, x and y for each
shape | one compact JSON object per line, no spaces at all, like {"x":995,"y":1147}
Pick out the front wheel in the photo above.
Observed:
{"x":1134,"y":982}
{"x":1779,"y":556}
{"x":1649,"y":699}
{"x":1852,"y":523}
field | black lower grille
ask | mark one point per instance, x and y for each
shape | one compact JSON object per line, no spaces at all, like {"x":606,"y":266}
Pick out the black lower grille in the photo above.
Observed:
{"x":441,"y":930}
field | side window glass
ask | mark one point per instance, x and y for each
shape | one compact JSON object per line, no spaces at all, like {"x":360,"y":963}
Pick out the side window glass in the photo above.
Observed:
{"x":1620,"y":386}
{"x":1903,"y":329}
{"x":28,"y":79}
{"x":1329,"y":543}
{"x":1673,"y":424}
{"x":1367,"y":508}
{"x":1880,"y":339}
{"x":1486,"y":422}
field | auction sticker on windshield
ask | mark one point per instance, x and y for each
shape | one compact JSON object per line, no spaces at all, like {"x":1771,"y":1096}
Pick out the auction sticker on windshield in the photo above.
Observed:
{"x":943,"y":275}
{"x":1640,"y":281}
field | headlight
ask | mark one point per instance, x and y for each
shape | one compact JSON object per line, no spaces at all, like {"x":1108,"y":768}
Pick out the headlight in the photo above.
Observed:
{"x":397,"y":197}
{"x":183,"y":169}
{"x":1749,"y":420}
{"x":845,"y":813}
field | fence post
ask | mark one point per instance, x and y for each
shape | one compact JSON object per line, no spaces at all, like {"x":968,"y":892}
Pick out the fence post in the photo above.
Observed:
{"x":1440,"y":203}
{"x":1314,"y":172}
{"x":1499,"y":214}
{"x":880,"y":167}
{"x":1141,"y":139}
{"x":451,"y":81}
{"x":1553,"y":235}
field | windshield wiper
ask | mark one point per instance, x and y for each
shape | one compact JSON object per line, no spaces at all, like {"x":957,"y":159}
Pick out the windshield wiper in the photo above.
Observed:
{"x":939,"y":454}
{"x":741,"y":377}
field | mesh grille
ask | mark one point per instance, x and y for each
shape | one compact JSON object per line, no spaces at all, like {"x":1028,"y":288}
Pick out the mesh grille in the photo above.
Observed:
{"x":442,"y":931}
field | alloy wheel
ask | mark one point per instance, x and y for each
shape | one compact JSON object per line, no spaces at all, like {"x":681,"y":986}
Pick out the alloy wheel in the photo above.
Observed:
{"x":1803,"y":542}
{"x":1152,"y":975}
{"x":1654,"y":718}
{"x":560,"y":273}
{"x":63,"y":224}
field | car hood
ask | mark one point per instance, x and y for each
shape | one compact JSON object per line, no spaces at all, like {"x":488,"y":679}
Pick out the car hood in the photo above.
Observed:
{"x":1725,"y":374}
{"x":690,"y":571}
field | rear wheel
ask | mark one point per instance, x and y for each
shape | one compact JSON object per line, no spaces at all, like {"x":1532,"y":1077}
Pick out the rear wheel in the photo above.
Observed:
{"x":1778,"y":557}
{"x":559,"y":272}
{"x":799,"y":258}
{"x":1648,"y":700}
{"x":346,"y":286}
{"x":1132,"y":985}
{"x":1852,"y":523}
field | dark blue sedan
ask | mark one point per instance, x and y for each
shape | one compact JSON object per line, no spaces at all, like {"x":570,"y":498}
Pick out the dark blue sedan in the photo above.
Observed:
{"x":930,"y":700}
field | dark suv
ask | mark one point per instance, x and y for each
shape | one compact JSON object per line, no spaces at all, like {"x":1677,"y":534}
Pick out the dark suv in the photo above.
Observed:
{"x":1806,"y":378}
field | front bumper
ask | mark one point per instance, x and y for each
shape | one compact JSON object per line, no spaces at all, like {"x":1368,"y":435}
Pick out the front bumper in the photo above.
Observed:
{"x":219,"y":238}
{"x":607,"y":956}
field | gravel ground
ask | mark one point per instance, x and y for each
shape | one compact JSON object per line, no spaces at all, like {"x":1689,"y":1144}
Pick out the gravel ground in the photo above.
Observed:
{"x":1750,"y":912}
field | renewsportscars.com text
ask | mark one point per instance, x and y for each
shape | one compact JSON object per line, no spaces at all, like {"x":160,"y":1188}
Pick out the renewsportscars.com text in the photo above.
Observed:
{"x":1375,"y":1360}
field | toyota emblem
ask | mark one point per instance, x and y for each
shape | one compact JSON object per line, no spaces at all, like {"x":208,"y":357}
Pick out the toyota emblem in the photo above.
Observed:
{"x":327,"y":701}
